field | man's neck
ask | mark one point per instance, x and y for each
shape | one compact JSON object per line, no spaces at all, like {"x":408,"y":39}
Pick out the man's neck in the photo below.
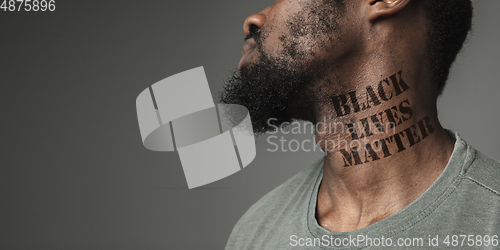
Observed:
{"x":384,"y":146}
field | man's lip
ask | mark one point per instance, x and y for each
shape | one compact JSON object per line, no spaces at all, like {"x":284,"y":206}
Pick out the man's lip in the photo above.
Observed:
{"x":248,"y":47}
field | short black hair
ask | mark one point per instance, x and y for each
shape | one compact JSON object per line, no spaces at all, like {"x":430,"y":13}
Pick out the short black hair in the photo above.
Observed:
{"x":449,"y":22}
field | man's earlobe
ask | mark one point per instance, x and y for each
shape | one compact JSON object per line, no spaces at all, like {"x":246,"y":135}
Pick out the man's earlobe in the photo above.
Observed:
{"x":384,"y":8}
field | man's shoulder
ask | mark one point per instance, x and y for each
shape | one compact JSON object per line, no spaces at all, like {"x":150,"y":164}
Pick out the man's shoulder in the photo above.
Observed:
{"x":299,"y":185}
{"x":278,"y":206}
{"x":485,"y":171}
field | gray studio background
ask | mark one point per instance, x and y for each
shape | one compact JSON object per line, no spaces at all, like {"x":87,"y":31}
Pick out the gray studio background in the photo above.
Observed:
{"x":74,"y":173}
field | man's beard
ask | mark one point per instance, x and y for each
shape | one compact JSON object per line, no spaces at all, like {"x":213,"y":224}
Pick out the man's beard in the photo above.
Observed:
{"x":280,"y":89}
{"x":271,"y":91}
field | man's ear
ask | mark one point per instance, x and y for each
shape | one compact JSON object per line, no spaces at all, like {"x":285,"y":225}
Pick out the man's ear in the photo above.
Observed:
{"x":384,"y":8}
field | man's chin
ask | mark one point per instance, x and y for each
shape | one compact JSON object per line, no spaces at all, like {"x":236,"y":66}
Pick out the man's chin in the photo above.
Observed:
{"x":266,"y":107}
{"x":267,"y":88}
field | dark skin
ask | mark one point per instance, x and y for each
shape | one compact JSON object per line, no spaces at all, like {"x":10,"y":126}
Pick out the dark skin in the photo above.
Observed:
{"x":373,"y":40}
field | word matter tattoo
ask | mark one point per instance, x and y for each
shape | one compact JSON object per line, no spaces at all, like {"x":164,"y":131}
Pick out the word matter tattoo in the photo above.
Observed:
{"x":399,"y":141}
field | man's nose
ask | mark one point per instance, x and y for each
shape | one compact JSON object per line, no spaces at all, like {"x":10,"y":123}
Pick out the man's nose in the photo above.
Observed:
{"x":258,"y":19}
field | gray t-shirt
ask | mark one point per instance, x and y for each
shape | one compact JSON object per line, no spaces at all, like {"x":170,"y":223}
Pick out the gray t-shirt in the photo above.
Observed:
{"x":461,"y":209}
